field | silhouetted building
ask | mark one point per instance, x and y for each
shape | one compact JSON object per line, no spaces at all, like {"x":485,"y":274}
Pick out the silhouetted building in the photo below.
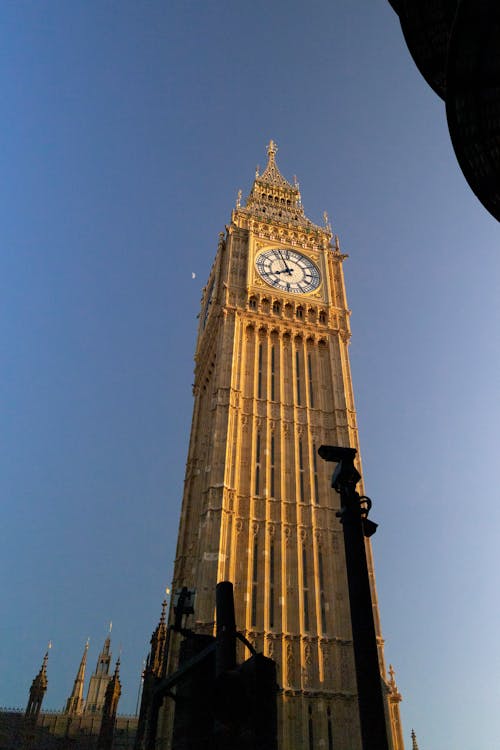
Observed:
{"x":79,"y":726}
{"x":456,"y":47}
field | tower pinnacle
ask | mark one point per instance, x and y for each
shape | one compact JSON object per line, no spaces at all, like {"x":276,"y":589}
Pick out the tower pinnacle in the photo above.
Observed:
{"x":99,"y":680}
{"x":414,"y":745}
{"x":37,"y":690}
{"x":273,"y":198}
{"x":75,"y":703}
{"x":112,"y":696}
{"x":272,"y":149}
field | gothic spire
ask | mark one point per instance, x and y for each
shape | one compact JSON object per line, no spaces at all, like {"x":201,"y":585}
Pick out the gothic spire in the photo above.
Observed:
{"x":113,"y":692}
{"x":271,"y":175}
{"x":104,"y":660}
{"x":414,"y":745}
{"x":158,"y":644}
{"x":75,"y":703}
{"x":38,"y":689}
{"x":99,"y":679}
{"x":273,"y":198}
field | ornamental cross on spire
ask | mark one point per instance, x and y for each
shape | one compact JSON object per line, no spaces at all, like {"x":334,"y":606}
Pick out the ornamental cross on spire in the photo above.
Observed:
{"x":272,"y":149}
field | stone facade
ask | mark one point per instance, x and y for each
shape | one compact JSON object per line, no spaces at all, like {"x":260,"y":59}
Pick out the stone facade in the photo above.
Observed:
{"x":59,"y":730}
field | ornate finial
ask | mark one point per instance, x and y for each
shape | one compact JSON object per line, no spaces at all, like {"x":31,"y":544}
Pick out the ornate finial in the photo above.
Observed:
{"x":392,"y":679}
{"x":257,"y":168}
{"x":296,"y":182}
{"x":49,"y":646}
{"x":272,"y":149}
{"x":337,"y":244}
{"x":238,"y":199}
{"x":414,"y":745}
{"x":328,"y":226}
{"x":163,"y":610}
{"x":110,"y":626}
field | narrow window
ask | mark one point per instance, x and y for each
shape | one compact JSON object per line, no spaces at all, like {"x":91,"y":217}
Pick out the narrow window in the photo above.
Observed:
{"x":300,"y":312}
{"x":276,"y":308}
{"x":252,"y":303}
{"x":330,"y":732}
{"x":297,"y":375}
{"x":311,"y":734}
{"x":305,"y":587}
{"x":322,"y":317}
{"x":311,"y":390}
{"x":301,"y":471}
{"x":322,"y":591}
{"x":272,"y":472}
{"x":315,"y":472}
{"x":271,"y":584}
{"x":259,"y":374}
{"x":273,"y":372}
{"x":257,"y":464}
{"x":254,"y":581}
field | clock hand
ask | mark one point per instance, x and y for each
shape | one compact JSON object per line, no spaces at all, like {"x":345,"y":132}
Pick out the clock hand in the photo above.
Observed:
{"x":288,"y":270}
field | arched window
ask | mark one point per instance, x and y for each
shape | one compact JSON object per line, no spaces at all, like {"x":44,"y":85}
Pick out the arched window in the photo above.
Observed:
{"x":252,"y":303}
{"x":271,"y":584}
{"x":311,"y":733}
{"x":315,"y":474}
{"x":259,"y":373}
{"x":305,"y":587}
{"x":273,"y":373}
{"x":330,"y":729}
{"x":257,"y":464}
{"x":255,"y":569}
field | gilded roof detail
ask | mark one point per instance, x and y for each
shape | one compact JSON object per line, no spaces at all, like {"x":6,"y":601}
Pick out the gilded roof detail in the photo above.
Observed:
{"x":273,"y":198}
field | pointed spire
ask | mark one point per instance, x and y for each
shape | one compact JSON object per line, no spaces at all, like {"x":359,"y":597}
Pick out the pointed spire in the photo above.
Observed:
{"x":414,"y":745}
{"x":113,"y":692}
{"x":38,"y":689}
{"x":156,"y":663}
{"x":392,"y":678}
{"x":271,"y":175}
{"x":75,"y":703}
{"x":99,"y":679}
{"x":274,"y":199}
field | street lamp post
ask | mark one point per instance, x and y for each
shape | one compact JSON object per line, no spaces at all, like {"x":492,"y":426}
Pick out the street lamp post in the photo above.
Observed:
{"x":353,"y":516}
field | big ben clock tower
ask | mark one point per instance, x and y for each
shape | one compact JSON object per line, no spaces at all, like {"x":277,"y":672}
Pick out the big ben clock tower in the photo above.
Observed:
{"x":272,"y":384}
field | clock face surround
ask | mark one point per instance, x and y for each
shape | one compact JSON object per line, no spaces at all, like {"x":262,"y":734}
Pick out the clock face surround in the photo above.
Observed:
{"x":288,"y":270}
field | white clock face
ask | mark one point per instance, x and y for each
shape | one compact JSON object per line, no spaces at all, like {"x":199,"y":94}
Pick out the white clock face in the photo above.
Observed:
{"x":288,"y":271}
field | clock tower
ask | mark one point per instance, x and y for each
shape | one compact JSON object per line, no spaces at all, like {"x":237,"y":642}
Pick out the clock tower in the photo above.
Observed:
{"x":272,"y":384}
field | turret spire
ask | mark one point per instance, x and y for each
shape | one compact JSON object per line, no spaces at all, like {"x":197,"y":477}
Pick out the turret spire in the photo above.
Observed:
{"x":37,"y":690}
{"x":113,"y":692}
{"x":100,"y":679}
{"x":75,"y":703}
{"x":153,"y":673}
{"x":414,"y":745}
{"x":273,"y":198}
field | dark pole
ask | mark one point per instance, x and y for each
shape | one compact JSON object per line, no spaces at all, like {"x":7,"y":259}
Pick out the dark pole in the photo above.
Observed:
{"x":225,"y":641}
{"x":353,"y":516}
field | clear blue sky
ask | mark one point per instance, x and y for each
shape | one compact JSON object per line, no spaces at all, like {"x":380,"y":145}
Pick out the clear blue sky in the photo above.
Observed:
{"x":127,"y":129}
